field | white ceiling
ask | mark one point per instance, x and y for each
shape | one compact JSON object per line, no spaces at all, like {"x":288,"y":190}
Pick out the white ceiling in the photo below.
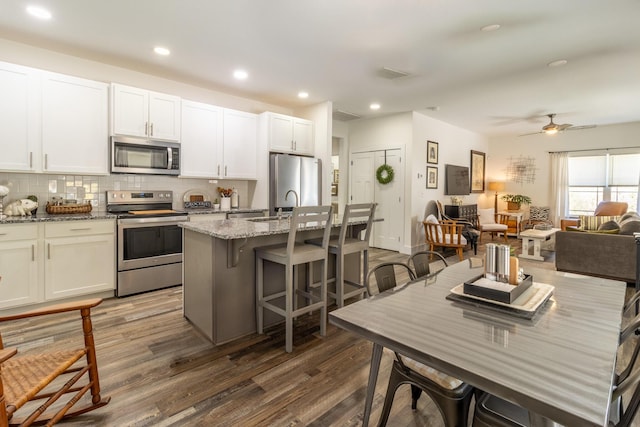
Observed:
{"x":489,"y":82}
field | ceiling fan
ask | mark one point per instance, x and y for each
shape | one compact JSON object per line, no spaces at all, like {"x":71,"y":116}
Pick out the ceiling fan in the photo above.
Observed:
{"x":552,"y":128}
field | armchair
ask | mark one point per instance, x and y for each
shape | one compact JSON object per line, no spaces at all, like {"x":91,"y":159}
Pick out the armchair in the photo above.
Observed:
{"x":493,"y":223}
{"x":470,"y":231}
{"x":35,"y":377}
{"x":444,"y":234}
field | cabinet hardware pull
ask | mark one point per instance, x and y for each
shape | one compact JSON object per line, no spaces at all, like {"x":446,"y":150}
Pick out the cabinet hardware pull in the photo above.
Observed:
{"x":225,"y":171}
{"x":33,"y":252}
{"x":293,"y":147}
{"x":3,"y":234}
{"x":80,"y":229}
{"x":30,"y":159}
{"x":48,"y":250}
{"x":151,"y":130}
{"x":146,"y":128}
{"x":218,"y":170}
{"x":46,"y":161}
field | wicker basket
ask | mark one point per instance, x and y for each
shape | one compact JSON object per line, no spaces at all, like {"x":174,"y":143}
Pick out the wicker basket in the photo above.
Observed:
{"x":68,"y":209}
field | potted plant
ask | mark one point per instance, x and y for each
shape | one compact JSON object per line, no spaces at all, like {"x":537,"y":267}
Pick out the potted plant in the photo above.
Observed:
{"x":216,"y":204}
{"x":34,"y":199}
{"x":514,"y":201}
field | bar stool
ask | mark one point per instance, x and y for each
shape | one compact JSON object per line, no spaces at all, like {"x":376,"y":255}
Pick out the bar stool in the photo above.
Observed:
{"x":342,"y":245}
{"x":291,"y":255}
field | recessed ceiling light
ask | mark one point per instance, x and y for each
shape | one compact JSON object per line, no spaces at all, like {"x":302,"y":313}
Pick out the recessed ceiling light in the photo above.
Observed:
{"x":374,"y":106}
{"x":39,"y":12}
{"x":240,"y":74}
{"x":489,"y":28}
{"x":558,"y":63}
{"x":303,"y":95}
{"x":161,"y":50}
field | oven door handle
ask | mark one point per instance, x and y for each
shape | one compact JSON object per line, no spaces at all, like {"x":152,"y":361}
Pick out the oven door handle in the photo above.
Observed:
{"x":154,"y":222}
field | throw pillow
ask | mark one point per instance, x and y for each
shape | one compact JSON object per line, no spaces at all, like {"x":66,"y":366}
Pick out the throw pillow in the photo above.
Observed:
{"x":591,"y":222}
{"x":433,"y":220}
{"x":630,"y":226}
{"x":609,"y":225}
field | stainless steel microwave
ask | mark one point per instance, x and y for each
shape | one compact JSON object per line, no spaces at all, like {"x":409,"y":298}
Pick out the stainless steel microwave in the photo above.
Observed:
{"x":136,"y":155}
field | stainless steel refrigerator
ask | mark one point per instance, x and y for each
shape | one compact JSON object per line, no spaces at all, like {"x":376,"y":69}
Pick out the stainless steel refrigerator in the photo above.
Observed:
{"x":294,"y":177}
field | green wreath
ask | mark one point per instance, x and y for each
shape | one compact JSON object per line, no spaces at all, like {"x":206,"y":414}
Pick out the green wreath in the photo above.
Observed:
{"x":384,"y":174}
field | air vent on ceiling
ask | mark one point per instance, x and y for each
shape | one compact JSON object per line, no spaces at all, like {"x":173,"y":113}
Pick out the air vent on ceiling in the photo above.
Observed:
{"x":344,"y":116}
{"x":391,"y":74}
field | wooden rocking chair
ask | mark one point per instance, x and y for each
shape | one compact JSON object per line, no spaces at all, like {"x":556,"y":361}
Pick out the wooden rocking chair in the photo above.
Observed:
{"x":33,"y":377}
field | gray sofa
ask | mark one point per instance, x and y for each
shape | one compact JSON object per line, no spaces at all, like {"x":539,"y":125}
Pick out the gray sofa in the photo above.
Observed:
{"x":612,"y":256}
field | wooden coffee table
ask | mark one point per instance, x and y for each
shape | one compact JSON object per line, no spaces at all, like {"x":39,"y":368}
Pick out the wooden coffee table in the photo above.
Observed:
{"x":532,"y":240}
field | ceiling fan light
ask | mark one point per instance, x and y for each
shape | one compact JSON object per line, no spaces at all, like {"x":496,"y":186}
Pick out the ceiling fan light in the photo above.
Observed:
{"x":551,"y":130}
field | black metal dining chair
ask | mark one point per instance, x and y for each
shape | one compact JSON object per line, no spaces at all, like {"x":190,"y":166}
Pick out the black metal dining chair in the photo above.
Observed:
{"x":492,"y":411}
{"x":421,"y":262}
{"x":452,"y":396}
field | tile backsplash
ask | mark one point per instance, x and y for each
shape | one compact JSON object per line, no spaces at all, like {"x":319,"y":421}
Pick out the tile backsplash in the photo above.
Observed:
{"x":93,"y":188}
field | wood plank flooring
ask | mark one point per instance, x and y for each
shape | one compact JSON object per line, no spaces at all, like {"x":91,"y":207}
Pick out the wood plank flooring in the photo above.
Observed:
{"x":159,"y":371}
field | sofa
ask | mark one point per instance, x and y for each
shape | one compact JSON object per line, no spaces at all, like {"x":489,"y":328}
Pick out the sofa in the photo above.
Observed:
{"x":605,"y":251}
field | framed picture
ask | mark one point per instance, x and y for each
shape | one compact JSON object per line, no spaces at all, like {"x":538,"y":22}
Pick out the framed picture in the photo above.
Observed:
{"x":432,"y":152}
{"x":477,"y":171}
{"x":432,"y":177}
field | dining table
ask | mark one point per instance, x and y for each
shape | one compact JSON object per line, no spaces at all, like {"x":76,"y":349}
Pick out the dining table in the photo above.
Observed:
{"x":559,"y":362}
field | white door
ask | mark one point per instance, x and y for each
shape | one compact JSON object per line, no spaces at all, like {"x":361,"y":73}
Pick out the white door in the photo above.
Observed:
{"x":390,"y":198}
{"x":362,"y":176}
{"x":365,"y":188}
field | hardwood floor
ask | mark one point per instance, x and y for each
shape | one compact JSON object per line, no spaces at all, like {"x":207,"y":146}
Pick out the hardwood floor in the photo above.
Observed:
{"x":159,"y":371}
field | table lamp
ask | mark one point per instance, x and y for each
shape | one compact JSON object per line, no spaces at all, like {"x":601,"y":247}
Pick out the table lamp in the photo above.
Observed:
{"x":496,"y":186}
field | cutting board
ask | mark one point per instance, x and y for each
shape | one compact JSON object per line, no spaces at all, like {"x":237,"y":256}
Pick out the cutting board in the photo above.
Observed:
{"x":153,"y":211}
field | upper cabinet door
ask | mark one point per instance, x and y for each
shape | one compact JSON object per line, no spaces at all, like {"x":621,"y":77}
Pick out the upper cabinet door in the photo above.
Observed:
{"x":139,"y":112}
{"x":19,"y":117}
{"x":130,"y":110}
{"x":164,"y":116}
{"x":201,"y":140}
{"x":303,"y":136}
{"x":290,"y":134}
{"x":240,"y":144}
{"x":74,"y":125}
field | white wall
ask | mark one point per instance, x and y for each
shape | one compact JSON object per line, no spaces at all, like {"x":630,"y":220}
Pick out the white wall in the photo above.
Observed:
{"x":504,"y":149}
{"x":454,"y":147}
{"x":411,"y":131}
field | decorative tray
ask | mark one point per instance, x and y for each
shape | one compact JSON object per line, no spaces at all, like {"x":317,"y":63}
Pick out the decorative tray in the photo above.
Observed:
{"x":497,"y":291}
{"x":526,"y":305}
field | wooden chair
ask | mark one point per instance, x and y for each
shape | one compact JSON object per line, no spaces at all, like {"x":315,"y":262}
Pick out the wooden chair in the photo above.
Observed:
{"x":470,"y":231}
{"x":291,"y":255}
{"x":491,"y":222}
{"x":444,"y":234}
{"x":342,"y":245}
{"x":32,"y":377}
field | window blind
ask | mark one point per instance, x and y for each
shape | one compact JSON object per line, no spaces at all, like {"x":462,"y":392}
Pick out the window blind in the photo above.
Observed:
{"x":625,"y":169}
{"x":588,"y":171}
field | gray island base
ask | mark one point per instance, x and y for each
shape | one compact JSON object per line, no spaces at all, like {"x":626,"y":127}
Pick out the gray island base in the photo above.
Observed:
{"x":219,"y":291}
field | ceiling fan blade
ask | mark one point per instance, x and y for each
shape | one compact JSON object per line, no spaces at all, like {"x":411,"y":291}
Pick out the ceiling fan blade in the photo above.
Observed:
{"x":532,"y":133}
{"x":581,"y":127}
{"x":564,"y":127}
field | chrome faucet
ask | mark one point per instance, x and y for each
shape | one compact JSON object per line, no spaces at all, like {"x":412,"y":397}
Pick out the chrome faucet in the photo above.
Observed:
{"x":295,"y":194}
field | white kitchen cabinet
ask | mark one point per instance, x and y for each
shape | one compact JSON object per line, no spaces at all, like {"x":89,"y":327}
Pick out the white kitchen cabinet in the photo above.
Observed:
{"x":19,"y":117}
{"x":74,"y":125}
{"x":79,"y":258}
{"x":19,"y":260}
{"x":143,"y":113}
{"x":201,"y":141}
{"x":289,"y":134}
{"x":239,"y":147}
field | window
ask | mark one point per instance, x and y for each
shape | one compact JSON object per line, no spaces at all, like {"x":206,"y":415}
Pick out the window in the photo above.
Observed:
{"x":610,"y":177}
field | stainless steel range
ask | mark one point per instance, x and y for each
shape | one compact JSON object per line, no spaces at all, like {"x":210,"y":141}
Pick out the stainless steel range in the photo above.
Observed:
{"x":149,"y":240}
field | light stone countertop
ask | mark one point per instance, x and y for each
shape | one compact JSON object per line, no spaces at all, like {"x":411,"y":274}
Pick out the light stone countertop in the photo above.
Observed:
{"x":45,"y":217}
{"x":229,"y":229}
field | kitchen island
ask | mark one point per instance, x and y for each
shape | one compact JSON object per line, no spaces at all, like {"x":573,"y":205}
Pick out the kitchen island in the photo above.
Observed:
{"x":219,"y":272}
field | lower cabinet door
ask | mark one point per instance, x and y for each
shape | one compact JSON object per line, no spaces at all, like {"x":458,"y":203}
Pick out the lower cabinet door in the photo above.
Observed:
{"x":19,"y":273}
{"x":79,"y":265}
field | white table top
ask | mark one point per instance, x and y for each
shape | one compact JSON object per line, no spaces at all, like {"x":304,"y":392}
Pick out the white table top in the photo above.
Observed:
{"x":560,"y":364}
{"x":539,"y":234}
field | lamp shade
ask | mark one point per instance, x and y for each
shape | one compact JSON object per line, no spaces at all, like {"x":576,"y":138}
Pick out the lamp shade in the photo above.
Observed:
{"x":496,"y":186}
